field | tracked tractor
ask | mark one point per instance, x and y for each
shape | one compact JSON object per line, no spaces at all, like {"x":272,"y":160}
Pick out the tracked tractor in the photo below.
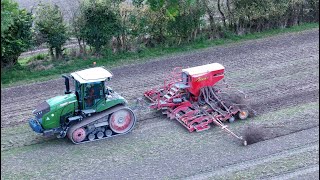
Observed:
{"x":192,"y":97}
{"x":91,"y":112}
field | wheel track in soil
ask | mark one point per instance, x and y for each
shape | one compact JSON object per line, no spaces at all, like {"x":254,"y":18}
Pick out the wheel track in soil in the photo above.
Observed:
{"x":308,"y":51}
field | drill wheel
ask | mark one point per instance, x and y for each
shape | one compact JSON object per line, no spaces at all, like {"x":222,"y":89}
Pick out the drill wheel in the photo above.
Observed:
{"x":243,"y":114}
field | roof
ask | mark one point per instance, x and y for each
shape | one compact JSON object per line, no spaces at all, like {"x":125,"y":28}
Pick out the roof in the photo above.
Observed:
{"x":91,"y":75}
{"x":203,"y":69}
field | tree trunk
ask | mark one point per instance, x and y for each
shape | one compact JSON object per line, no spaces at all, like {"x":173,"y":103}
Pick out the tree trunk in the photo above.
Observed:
{"x":84,"y":47}
{"x":211,"y":21}
{"x":161,"y":38}
{"x":230,"y":14}
{"x":58,"y":53}
{"x":222,"y":15}
{"x":250,"y":23}
{"x":124,"y":42}
{"x":51,"y":53}
{"x":80,"y":46}
{"x":119,"y":44}
{"x":195,"y":32}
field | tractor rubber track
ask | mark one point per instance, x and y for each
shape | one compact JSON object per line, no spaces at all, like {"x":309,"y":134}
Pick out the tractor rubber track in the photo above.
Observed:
{"x":94,"y":118}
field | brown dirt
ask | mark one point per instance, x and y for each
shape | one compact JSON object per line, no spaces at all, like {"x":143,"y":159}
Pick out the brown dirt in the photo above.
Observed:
{"x":260,"y":63}
{"x":277,"y":73}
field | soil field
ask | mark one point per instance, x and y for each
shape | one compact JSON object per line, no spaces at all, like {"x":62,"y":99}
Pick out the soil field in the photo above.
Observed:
{"x":279,"y":74}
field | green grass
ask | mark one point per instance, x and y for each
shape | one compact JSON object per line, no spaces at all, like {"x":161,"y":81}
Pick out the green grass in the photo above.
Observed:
{"x":24,"y":74}
{"x":24,"y":61}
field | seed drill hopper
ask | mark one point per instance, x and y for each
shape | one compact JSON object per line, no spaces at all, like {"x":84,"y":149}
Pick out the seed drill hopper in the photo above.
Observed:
{"x":192,"y":97}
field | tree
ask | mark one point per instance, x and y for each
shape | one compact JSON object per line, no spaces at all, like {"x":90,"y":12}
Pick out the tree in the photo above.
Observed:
{"x":312,"y":11}
{"x":184,"y":26}
{"x":100,"y":24}
{"x":176,"y":18}
{"x":15,"y":32}
{"x":77,"y":24}
{"x":221,"y":13}
{"x":9,"y":10}
{"x":50,"y":26}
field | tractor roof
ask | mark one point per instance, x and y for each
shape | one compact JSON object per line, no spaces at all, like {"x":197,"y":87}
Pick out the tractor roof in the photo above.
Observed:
{"x":95,"y":74}
{"x":203,"y":69}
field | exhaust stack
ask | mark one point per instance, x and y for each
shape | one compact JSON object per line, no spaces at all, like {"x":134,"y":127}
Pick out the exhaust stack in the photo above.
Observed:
{"x":66,"y":82}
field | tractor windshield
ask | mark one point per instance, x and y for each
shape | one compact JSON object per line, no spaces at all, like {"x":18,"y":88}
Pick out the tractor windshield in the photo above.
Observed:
{"x":93,"y":92}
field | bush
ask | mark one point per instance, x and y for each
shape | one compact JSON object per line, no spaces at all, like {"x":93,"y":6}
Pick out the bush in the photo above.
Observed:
{"x":100,"y":24}
{"x":50,"y":27}
{"x":15,"y":32}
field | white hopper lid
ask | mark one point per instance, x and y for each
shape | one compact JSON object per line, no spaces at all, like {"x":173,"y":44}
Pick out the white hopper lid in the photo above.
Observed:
{"x":203,"y":69}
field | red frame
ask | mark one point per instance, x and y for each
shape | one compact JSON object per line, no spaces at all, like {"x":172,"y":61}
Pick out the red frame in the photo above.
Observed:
{"x":189,"y":116}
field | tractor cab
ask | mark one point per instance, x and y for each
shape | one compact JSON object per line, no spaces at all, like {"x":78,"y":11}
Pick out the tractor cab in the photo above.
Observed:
{"x":90,"y":88}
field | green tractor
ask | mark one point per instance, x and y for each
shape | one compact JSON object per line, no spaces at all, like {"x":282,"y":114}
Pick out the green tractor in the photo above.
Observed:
{"x":92,"y":112}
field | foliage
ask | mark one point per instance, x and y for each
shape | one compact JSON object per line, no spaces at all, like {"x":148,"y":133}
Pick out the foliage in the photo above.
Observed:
{"x":100,"y":24}
{"x":15,"y":32}
{"x":9,"y":10}
{"x":258,"y":15}
{"x":50,"y":27}
{"x":112,"y":27}
{"x":77,"y":23}
{"x":311,"y":11}
{"x":21,"y":74}
{"x":185,"y":24}
{"x":170,"y":19}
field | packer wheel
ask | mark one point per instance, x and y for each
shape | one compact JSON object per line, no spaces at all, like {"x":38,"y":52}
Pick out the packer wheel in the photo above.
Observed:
{"x":243,"y":114}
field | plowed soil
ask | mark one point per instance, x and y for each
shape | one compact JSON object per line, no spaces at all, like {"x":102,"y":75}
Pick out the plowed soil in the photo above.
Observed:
{"x":279,"y":74}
